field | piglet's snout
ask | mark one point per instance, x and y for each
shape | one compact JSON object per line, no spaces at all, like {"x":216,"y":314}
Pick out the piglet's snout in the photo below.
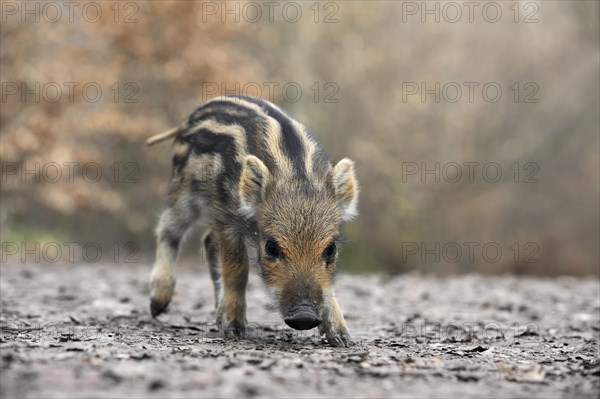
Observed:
{"x":303,"y":317}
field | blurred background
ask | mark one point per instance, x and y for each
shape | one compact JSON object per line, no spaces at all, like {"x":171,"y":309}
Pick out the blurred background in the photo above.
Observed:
{"x":474,"y":128}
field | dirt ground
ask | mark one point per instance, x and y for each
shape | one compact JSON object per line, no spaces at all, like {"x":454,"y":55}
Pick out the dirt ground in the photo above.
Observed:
{"x":85,"y":331}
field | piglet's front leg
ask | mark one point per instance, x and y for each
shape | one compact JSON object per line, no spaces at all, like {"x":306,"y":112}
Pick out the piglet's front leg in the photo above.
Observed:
{"x":334,"y":326}
{"x":232,"y":306}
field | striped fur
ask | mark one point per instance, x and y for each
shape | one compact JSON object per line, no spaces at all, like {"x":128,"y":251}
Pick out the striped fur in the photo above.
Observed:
{"x":252,"y":176}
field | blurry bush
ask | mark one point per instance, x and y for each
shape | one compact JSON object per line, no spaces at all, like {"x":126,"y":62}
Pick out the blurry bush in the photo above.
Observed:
{"x":371,"y":56}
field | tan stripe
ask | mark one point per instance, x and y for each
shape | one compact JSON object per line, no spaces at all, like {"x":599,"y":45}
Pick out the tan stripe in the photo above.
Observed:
{"x":242,"y":102}
{"x":180,"y":148}
{"x":273,"y":142}
{"x":309,"y":147}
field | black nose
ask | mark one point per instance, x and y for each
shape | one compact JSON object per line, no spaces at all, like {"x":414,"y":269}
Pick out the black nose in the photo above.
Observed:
{"x":304,"y":318}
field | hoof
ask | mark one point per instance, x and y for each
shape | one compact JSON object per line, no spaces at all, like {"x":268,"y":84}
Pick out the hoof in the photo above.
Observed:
{"x":157,"y":308}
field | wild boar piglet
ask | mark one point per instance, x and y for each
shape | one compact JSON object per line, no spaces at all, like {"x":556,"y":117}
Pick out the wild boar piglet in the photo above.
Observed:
{"x":264,"y":191}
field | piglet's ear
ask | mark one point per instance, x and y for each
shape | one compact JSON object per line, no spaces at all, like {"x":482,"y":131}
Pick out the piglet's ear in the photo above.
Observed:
{"x":253,"y":183}
{"x":346,"y":188}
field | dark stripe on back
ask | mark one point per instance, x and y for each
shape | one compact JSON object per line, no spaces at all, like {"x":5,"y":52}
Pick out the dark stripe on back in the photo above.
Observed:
{"x":204,"y":141}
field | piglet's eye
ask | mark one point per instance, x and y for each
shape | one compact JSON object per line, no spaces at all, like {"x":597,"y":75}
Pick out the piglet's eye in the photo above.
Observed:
{"x":330,"y":252}
{"x":272,"y":249}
